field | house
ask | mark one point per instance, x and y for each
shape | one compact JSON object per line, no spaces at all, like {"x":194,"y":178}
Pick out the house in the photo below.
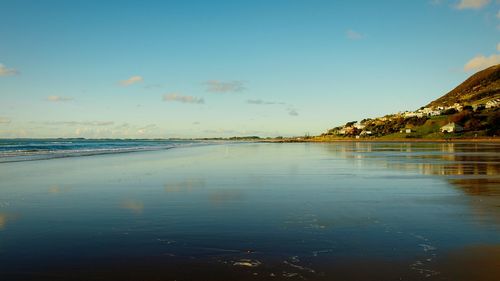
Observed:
{"x":451,"y":128}
{"x":458,"y":107}
{"x":365,"y":133}
{"x":408,"y":131}
{"x":493,"y":103}
{"x":434,"y":113}
{"x":359,"y":126}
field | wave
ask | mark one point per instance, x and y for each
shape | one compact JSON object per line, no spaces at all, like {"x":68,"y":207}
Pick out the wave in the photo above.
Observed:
{"x":44,"y":150}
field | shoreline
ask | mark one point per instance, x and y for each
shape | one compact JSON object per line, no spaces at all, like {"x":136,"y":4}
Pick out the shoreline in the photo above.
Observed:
{"x":412,"y":140}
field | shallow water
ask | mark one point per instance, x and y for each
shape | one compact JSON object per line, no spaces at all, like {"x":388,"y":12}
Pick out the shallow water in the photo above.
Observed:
{"x":340,"y":211}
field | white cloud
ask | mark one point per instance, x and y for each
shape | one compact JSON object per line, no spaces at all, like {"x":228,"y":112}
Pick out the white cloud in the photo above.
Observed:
{"x":183,"y":99}
{"x":58,"y":98}
{"x":4,"y":120}
{"x":216,"y":86}
{"x":498,"y":47}
{"x":354,"y":35}
{"x":4,"y":71}
{"x":481,"y":62}
{"x":472,"y":4}
{"x":132,"y":80}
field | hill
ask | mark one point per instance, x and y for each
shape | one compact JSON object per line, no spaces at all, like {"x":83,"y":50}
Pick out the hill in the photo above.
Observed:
{"x":477,"y":89}
{"x":472,"y":109}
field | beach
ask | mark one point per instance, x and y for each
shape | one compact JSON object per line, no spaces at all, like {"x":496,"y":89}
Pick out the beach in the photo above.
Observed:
{"x":255,"y":211}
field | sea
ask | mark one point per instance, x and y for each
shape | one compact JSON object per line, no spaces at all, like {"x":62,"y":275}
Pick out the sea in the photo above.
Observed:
{"x":13,"y":150}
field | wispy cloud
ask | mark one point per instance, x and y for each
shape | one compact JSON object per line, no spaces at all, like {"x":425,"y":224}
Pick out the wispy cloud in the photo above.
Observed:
{"x":184,"y":99}
{"x":498,"y":47}
{"x":292,"y":111}
{"x":481,"y":62}
{"x":498,"y":14}
{"x":123,"y":126}
{"x":262,"y":102}
{"x":81,"y":123}
{"x":5,"y":71}
{"x":472,"y":4}
{"x":354,"y":35}
{"x":132,"y":80}
{"x":216,"y":86}
{"x":58,"y":98}
{"x":4,"y":120}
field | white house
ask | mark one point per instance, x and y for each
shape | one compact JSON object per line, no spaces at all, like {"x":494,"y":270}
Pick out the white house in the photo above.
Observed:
{"x":359,"y":126}
{"x":451,"y":128}
{"x":493,"y":103}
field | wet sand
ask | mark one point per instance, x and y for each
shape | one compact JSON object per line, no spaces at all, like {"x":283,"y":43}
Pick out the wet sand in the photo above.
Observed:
{"x":305,"y":211}
{"x":473,"y":263}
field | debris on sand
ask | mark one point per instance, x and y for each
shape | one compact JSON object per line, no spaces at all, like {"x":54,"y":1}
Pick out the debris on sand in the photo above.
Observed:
{"x":247,"y":263}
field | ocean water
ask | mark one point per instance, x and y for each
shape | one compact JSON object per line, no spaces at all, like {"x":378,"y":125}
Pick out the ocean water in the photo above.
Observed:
{"x":256,"y":211}
{"x":13,"y":150}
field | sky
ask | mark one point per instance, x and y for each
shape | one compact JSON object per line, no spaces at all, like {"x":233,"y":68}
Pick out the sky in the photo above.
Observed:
{"x":164,"y":69}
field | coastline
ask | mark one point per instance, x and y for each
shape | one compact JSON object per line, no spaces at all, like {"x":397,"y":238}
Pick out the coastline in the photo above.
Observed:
{"x":409,"y":140}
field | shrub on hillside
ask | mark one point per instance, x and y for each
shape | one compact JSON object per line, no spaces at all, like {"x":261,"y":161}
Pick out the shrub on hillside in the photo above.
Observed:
{"x":461,"y":117}
{"x":450,"y":111}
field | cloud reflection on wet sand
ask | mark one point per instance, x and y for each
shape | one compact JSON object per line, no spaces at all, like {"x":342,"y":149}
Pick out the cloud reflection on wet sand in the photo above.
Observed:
{"x":135,"y":206}
{"x":5,"y":219}
{"x":187,"y":185}
{"x":56,"y":189}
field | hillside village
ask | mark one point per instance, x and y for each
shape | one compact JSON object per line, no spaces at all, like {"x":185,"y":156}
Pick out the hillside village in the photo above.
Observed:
{"x":455,"y":119}
{"x":470,"y":110}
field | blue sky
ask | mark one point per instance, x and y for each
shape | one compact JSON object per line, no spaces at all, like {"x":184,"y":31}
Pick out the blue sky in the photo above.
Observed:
{"x":149,"y":69}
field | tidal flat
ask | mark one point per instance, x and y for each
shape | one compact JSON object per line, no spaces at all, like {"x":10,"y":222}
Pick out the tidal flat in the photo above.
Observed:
{"x":256,"y":211}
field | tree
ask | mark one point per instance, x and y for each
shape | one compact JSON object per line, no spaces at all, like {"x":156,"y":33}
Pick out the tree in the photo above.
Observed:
{"x":461,"y":117}
{"x":493,"y":123}
{"x":450,"y":111}
{"x":472,"y":125}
